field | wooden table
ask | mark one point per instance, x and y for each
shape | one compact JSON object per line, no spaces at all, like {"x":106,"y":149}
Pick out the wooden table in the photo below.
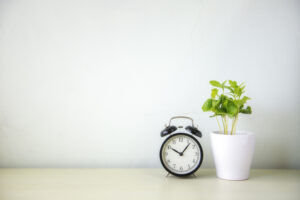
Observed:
{"x":143,"y":184}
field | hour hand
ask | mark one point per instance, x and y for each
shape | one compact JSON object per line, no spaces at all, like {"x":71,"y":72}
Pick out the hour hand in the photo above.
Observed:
{"x":176,"y":151}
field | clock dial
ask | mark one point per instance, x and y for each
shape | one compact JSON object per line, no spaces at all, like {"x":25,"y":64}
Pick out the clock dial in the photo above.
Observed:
{"x":181,"y":154}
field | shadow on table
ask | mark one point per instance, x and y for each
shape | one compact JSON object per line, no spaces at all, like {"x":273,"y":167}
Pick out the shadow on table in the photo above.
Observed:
{"x":200,"y":174}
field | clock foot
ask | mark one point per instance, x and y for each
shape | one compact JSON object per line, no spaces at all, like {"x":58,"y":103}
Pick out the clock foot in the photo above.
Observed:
{"x":167,"y":174}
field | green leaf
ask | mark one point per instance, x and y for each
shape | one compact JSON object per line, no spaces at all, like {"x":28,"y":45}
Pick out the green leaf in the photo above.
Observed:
{"x":238,"y":102}
{"x":216,"y":103}
{"x":207,"y":105}
{"x":242,"y":85}
{"x":223,"y":84}
{"x":239,"y":92}
{"x":243,"y":88}
{"x":244,"y":100}
{"x":214,"y":92}
{"x":232,"y":108}
{"x":233,"y":84}
{"x":229,"y":88}
{"x":215,"y":83}
{"x":248,"y":110}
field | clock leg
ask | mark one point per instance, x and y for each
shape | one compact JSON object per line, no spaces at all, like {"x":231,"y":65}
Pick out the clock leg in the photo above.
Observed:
{"x":167,"y":174}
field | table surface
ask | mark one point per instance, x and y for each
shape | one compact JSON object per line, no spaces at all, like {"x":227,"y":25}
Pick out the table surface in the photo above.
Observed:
{"x":143,"y":184}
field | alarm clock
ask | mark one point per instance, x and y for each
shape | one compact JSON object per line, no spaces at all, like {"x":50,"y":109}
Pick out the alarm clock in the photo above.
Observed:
{"x":181,"y":154}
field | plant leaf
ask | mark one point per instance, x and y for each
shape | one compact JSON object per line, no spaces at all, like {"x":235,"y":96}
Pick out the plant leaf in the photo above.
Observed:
{"x":216,"y":103}
{"x":243,"y":88}
{"x":233,"y":84}
{"x":207,"y":105}
{"x":223,"y":84}
{"x":229,"y":88}
{"x":232,"y":108}
{"x":214,"y":92}
{"x":215,"y":83}
{"x":247,"y":110}
{"x":244,"y":100}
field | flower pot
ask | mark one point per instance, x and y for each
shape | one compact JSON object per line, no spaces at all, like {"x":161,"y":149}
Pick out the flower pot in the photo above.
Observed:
{"x":233,"y":154}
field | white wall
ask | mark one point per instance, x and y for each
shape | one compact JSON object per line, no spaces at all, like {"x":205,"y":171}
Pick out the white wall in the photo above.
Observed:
{"x":91,"y":83}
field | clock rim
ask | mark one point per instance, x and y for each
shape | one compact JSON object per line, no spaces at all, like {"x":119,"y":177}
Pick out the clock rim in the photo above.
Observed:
{"x":167,"y":169}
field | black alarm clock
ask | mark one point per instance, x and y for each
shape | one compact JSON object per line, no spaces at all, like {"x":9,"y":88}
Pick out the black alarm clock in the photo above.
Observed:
{"x":181,"y":154}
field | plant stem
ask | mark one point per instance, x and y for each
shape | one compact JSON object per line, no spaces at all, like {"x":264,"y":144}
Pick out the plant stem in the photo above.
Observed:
{"x":234,"y":124}
{"x":224,"y":125}
{"x":232,"y":127}
{"x":226,"y":119}
{"x":219,"y":124}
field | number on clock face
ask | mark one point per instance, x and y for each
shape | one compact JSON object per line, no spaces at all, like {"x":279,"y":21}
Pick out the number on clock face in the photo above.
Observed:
{"x":181,"y":154}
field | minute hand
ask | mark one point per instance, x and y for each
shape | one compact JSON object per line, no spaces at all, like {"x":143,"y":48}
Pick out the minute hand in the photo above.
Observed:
{"x":185,"y":148}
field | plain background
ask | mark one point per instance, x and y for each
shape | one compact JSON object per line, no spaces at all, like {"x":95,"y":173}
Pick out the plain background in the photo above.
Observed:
{"x":92,"y":83}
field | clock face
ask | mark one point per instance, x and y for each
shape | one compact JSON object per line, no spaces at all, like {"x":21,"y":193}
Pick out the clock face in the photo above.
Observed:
{"x":181,"y":154}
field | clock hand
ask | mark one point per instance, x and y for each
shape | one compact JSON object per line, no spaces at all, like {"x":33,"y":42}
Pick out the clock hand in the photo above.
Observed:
{"x":185,"y":148}
{"x":176,"y":151}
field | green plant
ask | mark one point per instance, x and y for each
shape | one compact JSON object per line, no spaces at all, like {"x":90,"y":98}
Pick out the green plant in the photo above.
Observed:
{"x":228,"y":104}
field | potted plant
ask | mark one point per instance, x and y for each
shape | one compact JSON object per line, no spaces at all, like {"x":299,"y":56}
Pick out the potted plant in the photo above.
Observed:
{"x":232,"y":150}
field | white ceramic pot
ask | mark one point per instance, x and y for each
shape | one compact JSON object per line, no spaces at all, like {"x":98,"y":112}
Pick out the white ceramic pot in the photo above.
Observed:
{"x":233,"y":154}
